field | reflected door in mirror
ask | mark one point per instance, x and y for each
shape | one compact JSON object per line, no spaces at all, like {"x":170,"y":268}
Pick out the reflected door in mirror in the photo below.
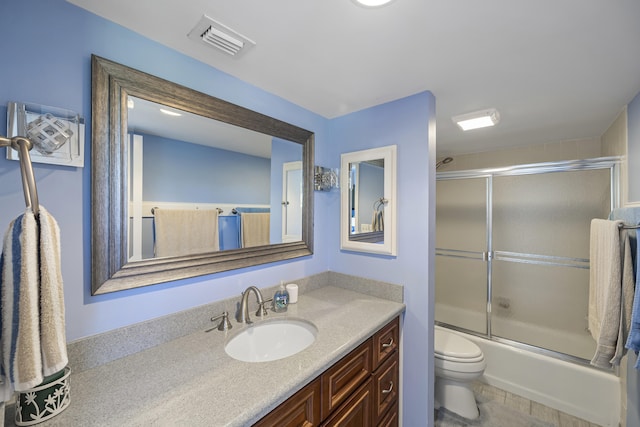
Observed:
{"x":292,"y":203}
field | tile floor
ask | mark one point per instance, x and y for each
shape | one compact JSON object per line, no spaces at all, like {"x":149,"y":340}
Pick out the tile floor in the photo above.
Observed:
{"x":502,"y":400}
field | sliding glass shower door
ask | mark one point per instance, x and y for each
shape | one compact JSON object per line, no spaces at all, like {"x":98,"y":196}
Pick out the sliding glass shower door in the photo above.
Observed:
{"x":461,"y":242}
{"x":513,"y":251}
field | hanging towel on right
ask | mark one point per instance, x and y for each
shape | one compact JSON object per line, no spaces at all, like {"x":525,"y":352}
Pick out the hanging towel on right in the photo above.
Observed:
{"x":633,"y":341}
{"x":611,"y":283}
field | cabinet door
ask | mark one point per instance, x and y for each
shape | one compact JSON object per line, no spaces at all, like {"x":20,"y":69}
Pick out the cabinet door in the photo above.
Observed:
{"x":385,"y":342}
{"x":300,"y":410}
{"x":339,"y":381}
{"x":356,"y":410}
{"x":386,"y":384}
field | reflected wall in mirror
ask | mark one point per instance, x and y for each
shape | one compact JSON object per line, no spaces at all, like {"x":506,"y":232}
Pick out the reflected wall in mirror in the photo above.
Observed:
{"x":368,"y":201}
{"x":239,"y":182}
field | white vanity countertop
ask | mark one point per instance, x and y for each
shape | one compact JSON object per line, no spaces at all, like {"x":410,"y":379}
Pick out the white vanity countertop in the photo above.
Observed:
{"x":192,"y":381}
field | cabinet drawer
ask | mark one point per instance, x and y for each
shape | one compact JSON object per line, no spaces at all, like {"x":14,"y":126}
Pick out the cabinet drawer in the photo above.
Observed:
{"x":343,"y":378}
{"x":386,"y":383}
{"x":356,"y":410}
{"x":385,"y":342}
{"x":390,"y":419}
{"x":300,"y":410}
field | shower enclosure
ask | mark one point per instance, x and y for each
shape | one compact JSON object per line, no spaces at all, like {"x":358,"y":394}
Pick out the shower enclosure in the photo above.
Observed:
{"x":512,"y":252}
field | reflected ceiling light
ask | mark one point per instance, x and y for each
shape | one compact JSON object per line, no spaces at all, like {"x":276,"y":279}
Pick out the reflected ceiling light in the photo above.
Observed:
{"x":130,"y":103}
{"x":477,"y":119}
{"x":169,"y":112}
{"x":372,"y":3}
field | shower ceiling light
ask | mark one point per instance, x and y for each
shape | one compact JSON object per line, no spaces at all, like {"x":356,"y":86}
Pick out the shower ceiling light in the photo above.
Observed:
{"x":477,"y":119}
{"x":372,"y":3}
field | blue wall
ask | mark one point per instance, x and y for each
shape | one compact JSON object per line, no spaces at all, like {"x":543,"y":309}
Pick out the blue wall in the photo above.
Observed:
{"x":178,"y":171}
{"x":409,"y":123}
{"x":61,"y":77}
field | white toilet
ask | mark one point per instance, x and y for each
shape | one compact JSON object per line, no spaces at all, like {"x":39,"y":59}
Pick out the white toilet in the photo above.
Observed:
{"x":458,"y":361}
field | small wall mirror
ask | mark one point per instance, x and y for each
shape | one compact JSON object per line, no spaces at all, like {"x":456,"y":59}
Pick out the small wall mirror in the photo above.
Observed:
{"x":239,"y":165}
{"x":368,"y":201}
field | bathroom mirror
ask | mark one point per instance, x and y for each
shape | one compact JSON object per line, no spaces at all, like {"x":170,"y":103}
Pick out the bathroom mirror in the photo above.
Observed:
{"x":368,"y":201}
{"x":116,"y":265}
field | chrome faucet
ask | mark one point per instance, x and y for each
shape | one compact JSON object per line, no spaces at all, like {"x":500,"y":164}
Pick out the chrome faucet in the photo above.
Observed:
{"x":244,"y":304}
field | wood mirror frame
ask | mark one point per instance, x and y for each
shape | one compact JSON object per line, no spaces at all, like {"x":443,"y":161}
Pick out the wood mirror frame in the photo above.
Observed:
{"x":111,"y":270}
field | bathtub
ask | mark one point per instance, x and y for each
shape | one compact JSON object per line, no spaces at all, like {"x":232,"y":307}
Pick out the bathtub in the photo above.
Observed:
{"x":578,"y":390}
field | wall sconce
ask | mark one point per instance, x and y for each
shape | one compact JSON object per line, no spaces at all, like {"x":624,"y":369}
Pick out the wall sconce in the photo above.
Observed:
{"x":325,"y":179}
{"x":57,"y":133}
{"x":477,"y":119}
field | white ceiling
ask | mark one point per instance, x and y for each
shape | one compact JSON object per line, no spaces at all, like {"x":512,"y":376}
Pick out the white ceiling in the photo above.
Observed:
{"x":555,"y":70}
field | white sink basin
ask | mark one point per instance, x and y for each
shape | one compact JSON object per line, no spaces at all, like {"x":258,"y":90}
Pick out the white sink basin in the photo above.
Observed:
{"x":271,"y":340}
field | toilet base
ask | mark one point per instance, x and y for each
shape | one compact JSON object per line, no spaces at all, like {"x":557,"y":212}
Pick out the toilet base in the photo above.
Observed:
{"x":457,"y":397}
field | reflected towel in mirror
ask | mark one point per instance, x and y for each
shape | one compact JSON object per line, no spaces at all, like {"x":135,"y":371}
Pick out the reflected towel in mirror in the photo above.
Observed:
{"x":254,"y":228}
{"x":377,"y":222}
{"x":185,"y":231}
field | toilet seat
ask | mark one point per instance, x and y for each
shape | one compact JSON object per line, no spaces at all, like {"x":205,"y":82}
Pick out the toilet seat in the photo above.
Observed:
{"x":454,"y":348}
{"x":460,"y":359}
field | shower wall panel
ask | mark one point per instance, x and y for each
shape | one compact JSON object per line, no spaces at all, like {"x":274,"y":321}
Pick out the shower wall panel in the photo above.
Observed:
{"x":549,"y":213}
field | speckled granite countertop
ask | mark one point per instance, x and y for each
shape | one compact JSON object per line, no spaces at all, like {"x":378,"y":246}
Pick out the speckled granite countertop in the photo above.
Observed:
{"x":192,"y":381}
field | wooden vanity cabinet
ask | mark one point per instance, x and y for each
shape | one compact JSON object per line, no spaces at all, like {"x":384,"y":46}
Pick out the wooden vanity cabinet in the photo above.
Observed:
{"x":343,"y":378}
{"x":300,"y":410}
{"x":360,"y":390}
{"x":385,"y":382}
{"x":386,"y":374}
{"x":356,"y":411}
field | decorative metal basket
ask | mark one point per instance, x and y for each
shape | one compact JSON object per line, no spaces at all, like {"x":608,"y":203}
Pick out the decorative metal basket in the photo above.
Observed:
{"x":44,"y":401}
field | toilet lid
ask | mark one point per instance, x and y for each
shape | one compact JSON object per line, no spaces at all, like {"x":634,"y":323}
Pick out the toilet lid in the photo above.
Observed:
{"x":450,"y":346}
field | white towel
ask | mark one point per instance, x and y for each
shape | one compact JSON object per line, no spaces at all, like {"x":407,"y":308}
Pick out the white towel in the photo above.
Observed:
{"x":254,"y":229}
{"x":610,"y":291}
{"x":185,"y":231}
{"x":377,"y":221}
{"x":32,"y":339}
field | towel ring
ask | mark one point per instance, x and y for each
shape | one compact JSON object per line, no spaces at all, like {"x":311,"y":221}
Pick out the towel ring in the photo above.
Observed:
{"x":22,"y":145}
{"x":379,"y":203}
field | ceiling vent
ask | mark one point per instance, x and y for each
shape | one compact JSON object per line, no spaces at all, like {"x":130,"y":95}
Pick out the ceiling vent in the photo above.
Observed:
{"x":215,"y":34}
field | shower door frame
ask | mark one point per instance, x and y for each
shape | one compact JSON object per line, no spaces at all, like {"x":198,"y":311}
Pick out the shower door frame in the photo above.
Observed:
{"x":612,"y":163}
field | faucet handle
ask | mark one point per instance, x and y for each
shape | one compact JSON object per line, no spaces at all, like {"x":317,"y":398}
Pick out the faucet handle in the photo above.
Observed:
{"x":225,"y":324}
{"x":262,"y":309}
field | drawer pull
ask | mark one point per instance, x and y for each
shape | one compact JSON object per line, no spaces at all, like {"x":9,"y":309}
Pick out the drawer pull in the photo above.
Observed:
{"x":387,"y":344}
{"x":387,"y":391}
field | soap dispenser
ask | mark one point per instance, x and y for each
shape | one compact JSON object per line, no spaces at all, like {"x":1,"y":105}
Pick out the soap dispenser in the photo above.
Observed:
{"x":281,"y":299}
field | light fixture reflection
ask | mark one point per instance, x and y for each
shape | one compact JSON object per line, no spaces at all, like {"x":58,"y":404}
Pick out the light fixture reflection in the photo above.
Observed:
{"x":169,"y":112}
